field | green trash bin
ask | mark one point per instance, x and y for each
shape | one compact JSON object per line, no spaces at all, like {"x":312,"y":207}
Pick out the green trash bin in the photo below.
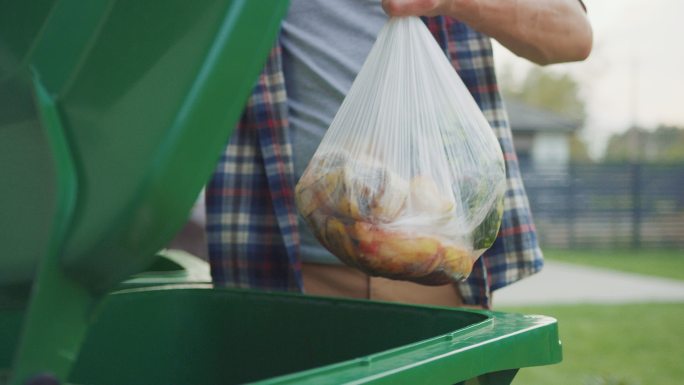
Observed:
{"x":113,"y":114}
{"x":171,"y":267}
{"x":229,"y":336}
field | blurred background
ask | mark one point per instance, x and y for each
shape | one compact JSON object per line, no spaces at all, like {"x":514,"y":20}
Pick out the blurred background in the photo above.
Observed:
{"x":601,"y":148}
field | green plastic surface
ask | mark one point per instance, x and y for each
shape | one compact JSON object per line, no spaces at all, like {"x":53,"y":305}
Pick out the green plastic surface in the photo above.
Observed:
{"x":223,"y":336}
{"x":113,"y":114}
{"x":27,"y":198}
{"x":148,"y":93}
{"x":20,"y":24}
{"x":59,"y":310}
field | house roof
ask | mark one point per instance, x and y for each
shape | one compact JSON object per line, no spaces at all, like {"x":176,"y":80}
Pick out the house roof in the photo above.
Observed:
{"x":524,"y":117}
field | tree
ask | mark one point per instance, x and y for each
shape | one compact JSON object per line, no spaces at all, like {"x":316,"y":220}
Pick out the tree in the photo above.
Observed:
{"x":664,"y":144}
{"x":558,"y":93}
{"x":578,"y":149}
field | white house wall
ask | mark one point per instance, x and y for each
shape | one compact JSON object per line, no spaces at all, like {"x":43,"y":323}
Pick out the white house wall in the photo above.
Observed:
{"x":551,"y":148}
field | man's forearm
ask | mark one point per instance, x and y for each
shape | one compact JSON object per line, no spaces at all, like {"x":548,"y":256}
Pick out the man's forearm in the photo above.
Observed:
{"x":543,"y":31}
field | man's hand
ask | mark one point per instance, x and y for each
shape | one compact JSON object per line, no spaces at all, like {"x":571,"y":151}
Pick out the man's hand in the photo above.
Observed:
{"x":414,"y":7}
{"x":543,"y":31}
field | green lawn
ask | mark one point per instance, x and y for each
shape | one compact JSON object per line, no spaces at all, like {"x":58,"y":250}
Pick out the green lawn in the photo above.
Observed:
{"x":613,"y":345}
{"x":662,"y":263}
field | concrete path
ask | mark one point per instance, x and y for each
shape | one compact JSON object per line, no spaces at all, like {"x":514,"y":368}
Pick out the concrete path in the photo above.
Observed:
{"x":563,"y":283}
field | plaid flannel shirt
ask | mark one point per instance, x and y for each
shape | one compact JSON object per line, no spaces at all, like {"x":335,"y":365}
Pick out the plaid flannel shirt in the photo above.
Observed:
{"x":251,"y":215}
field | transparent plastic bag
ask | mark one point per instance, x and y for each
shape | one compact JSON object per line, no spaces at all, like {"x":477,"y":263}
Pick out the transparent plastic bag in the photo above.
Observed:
{"x":408,"y":181}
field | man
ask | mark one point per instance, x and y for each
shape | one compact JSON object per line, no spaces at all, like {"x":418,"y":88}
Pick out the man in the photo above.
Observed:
{"x":252,"y":225}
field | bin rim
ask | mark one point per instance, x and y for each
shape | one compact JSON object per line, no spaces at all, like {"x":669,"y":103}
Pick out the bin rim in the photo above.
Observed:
{"x":499,"y":341}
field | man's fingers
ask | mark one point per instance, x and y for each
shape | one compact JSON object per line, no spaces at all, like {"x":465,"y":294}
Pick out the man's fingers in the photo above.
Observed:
{"x":411,"y":7}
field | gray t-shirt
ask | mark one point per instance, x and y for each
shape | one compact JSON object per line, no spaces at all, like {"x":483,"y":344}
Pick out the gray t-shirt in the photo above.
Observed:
{"x":325,"y":43}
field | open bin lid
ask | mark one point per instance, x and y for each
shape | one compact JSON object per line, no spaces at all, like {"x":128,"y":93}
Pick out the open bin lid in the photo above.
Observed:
{"x":113,"y":114}
{"x":145,"y":96}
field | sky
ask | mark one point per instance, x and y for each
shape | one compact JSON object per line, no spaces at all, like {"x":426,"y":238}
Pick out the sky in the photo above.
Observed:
{"x":635,"y":73}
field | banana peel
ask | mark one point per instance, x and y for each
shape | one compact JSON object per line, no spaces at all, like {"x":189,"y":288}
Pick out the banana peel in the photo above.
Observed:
{"x":339,"y":242}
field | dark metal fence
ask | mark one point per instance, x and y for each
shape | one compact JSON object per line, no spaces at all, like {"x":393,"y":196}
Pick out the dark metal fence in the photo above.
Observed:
{"x":607,"y":205}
